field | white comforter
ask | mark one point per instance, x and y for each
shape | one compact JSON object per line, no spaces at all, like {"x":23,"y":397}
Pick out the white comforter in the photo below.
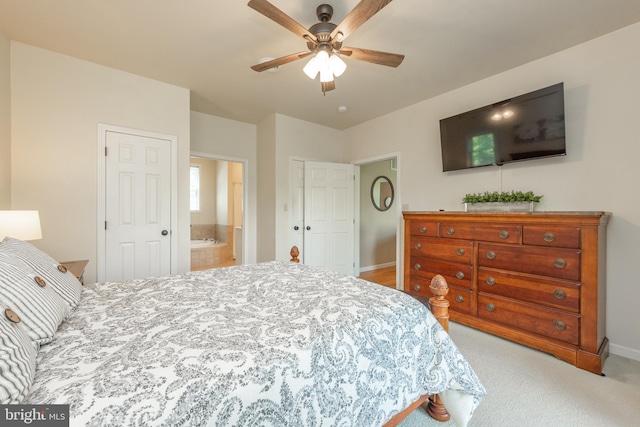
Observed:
{"x":272,"y":344}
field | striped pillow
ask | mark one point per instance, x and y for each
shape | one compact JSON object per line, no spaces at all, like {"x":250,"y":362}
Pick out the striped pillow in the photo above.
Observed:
{"x":17,"y":359}
{"x":38,"y":305}
{"x":63,"y":282}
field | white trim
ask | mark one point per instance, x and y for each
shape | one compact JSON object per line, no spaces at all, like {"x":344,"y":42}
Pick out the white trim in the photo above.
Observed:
{"x":103,"y":128}
{"x":376,"y":267}
{"x":245,"y":192}
{"x":629,"y":353}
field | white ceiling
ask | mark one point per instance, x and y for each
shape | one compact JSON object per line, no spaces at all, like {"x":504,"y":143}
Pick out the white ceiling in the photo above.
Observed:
{"x":208,"y":47}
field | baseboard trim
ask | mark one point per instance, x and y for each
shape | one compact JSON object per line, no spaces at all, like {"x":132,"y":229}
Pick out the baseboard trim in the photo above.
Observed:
{"x":375,"y":267}
{"x":627,"y":352}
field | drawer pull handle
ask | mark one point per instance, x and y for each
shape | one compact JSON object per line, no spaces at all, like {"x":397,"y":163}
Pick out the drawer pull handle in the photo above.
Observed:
{"x":417,"y":287}
{"x":490,"y":307}
{"x":504,"y":234}
{"x":423,"y":229}
{"x":549,"y":237}
{"x":460,"y":275}
{"x":491,"y":281}
{"x":559,"y":325}
{"x":459,"y":298}
{"x":559,"y":294}
{"x":450,"y":231}
{"x":460,"y":251}
{"x":491,"y":255}
{"x":418,"y":267}
{"x":418,"y":246}
{"x":560,"y":263}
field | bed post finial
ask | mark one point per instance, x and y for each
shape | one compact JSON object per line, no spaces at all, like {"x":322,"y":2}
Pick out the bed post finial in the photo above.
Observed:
{"x":294,"y":254}
{"x":439,"y":304}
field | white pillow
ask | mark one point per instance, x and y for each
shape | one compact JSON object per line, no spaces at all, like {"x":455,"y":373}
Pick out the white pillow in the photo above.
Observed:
{"x":17,"y":360}
{"x":40,"y":308}
{"x":63,"y":282}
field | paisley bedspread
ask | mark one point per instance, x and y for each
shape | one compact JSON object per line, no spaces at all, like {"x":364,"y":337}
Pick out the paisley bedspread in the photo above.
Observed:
{"x":270,"y":344}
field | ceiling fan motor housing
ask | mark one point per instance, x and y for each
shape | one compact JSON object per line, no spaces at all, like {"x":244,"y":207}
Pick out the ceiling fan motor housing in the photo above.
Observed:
{"x":323,"y":29}
{"x":324,"y":12}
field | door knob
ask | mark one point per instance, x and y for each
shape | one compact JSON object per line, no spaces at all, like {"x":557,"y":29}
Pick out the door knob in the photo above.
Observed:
{"x":164,"y":232}
{"x":308,"y":227}
{"x":296,"y":228}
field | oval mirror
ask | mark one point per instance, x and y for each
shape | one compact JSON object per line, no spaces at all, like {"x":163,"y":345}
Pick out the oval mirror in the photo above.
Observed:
{"x":382,"y":193}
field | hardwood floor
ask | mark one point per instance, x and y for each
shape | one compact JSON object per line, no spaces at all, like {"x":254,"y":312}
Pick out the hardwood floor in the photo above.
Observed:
{"x":384,"y":276}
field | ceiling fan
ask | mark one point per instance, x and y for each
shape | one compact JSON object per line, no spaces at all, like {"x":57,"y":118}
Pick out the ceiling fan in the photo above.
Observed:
{"x":324,"y":41}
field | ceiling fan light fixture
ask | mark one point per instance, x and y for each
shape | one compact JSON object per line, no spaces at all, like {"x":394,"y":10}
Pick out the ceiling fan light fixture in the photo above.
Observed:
{"x":337,"y":65}
{"x":323,"y":58}
{"x":311,"y":69}
{"x":326,"y":75}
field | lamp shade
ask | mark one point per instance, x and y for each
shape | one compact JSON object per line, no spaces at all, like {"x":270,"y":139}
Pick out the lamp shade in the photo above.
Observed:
{"x":21,"y":225}
{"x":337,"y":65}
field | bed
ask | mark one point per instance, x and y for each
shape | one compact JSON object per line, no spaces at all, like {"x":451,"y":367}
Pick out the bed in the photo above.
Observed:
{"x":269,"y":344}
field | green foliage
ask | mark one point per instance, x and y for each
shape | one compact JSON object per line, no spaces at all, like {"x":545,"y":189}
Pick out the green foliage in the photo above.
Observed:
{"x":504,"y":197}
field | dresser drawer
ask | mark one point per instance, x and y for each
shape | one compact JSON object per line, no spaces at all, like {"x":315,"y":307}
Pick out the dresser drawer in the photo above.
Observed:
{"x":424,"y":228}
{"x":459,"y":251}
{"x":552,"y":293}
{"x":557,"y":262}
{"x":505,"y":233}
{"x":543,"y":321}
{"x":460,"y":275}
{"x":459,"y":299}
{"x":554,"y":236}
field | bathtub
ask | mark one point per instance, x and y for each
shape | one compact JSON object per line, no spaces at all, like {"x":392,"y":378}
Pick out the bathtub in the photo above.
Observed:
{"x":209,"y":254}
{"x":205,"y":244}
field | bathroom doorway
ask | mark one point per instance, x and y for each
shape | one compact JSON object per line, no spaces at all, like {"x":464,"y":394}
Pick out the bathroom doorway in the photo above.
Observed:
{"x":217,"y":212}
{"x":380,"y":220}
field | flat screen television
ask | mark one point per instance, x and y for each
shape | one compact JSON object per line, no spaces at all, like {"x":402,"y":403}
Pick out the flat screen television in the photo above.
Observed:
{"x":526,"y":127}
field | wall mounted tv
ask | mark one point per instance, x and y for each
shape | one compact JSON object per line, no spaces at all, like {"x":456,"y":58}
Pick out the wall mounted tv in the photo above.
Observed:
{"x":526,"y":127}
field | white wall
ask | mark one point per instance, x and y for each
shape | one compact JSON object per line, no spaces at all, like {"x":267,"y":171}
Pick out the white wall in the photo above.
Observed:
{"x":5,"y":123}
{"x":599,"y":173}
{"x":223,"y":207}
{"x":232,"y":140}
{"x":57,"y":103}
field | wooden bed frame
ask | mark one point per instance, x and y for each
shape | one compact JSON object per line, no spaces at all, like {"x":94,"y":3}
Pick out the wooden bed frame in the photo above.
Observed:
{"x":439,"y":306}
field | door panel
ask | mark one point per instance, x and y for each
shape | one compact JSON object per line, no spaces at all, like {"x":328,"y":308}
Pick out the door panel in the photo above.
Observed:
{"x":329,"y":228}
{"x":137,"y":207}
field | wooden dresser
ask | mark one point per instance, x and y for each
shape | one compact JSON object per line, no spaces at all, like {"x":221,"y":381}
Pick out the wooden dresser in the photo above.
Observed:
{"x":534,"y":278}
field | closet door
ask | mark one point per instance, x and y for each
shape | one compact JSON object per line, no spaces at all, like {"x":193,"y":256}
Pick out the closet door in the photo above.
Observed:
{"x":296,"y":212}
{"x":329,"y":220}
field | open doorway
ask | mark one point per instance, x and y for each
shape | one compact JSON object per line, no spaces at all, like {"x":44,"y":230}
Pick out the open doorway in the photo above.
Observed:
{"x":378,"y":221}
{"x":217,"y":214}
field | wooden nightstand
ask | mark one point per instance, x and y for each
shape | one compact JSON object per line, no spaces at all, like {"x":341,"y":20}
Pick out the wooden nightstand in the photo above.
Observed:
{"x":76,"y":268}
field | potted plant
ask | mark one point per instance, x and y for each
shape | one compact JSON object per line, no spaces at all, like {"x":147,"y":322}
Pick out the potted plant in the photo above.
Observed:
{"x":500,"y":201}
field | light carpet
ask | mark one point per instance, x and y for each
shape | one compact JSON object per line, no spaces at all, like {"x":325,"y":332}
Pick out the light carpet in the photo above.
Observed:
{"x":526,"y":387}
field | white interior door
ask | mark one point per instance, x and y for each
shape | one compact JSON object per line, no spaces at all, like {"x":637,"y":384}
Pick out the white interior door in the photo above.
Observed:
{"x":137,"y":206}
{"x":329,"y":220}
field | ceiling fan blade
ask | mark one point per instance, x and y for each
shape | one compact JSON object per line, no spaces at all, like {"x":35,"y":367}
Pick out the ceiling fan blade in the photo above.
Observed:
{"x":263,"y":66}
{"x":358,"y":16}
{"x":373,"y":56}
{"x":279,"y":17}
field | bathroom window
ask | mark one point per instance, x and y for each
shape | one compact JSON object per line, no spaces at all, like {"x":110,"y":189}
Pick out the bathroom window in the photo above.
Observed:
{"x":194,"y":188}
